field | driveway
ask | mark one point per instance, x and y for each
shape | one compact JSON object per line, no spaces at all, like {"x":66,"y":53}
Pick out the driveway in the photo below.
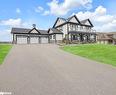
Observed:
{"x":46,"y":70}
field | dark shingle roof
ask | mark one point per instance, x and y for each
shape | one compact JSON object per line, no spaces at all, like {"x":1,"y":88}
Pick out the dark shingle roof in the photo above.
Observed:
{"x":84,"y":21}
{"x":20,"y":30}
{"x":43,"y":31}
{"x":24,"y":30}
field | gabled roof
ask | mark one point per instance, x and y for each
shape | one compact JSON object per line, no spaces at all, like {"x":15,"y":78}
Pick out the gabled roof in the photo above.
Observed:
{"x":25,"y":30}
{"x":55,"y":31}
{"x":34,"y":29}
{"x":57,"y":21}
{"x":83,"y":22}
{"x":66,"y":20}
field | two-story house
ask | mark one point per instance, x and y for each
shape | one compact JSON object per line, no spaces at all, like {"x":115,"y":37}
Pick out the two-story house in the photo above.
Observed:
{"x":70,"y":29}
{"x":75,"y":30}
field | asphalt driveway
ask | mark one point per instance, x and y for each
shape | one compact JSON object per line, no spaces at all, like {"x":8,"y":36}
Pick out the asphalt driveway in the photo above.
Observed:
{"x":46,"y":70}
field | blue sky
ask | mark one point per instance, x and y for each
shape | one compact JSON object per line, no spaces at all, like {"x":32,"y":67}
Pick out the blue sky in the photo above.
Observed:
{"x":23,"y":13}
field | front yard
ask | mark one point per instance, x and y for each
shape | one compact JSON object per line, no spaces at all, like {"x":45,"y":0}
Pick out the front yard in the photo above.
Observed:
{"x":99,"y":52}
{"x":4,"y":49}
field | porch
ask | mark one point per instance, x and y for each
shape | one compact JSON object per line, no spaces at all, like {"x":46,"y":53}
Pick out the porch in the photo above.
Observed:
{"x":81,"y":37}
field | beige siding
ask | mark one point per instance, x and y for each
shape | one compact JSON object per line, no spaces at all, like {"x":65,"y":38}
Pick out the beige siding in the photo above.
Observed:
{"x":87,"y":23}
{"x":59,"y":22}
{"x":73,"y":20}
{"x":58,"y":36}
{"x":34,"y":31}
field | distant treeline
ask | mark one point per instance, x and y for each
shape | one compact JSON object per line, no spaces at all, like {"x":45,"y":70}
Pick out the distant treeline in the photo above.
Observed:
{"x":5,"y":42}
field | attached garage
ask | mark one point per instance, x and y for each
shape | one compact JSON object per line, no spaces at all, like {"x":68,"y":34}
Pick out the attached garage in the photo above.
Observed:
{"x":35,"y":36}
{"x":21,"y":40}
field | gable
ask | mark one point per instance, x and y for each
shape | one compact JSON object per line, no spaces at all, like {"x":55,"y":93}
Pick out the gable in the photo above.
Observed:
{"x":50,"y":31}
{"x":58,"y":22}
{"x":87,"y":23}
{"x":34,"y":30}
{"x":73,"y":20}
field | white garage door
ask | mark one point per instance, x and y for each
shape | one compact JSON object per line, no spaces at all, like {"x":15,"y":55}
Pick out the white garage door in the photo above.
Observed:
{"x":21,"y":40}
{"x":44,"y":40}
{"x":34,"y":40}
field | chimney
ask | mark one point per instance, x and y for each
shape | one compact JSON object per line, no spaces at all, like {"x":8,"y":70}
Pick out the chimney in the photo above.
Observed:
{"x":34,"y":25}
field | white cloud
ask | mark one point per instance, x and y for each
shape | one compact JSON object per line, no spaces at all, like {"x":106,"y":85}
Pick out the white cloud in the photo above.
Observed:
{"x":12,"y":22}
{"x":100,"y":19}
{"x":46,"y":13}
{"x":39,"y":9}
{"x":63,"y":8}
{"x":18,"y":11}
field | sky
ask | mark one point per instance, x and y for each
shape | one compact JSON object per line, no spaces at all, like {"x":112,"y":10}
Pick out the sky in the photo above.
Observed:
{"x":43,"y":13}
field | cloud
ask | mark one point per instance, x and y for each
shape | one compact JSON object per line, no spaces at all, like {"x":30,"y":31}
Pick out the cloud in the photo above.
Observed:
{"x":12,"y":22}
{"x":63,"y":8}
{"x":39,"y":9}
{"x":18,"y":11}
{"x":102,"y":21}
{"x":8,"y":24}
{"x":46,"y":13}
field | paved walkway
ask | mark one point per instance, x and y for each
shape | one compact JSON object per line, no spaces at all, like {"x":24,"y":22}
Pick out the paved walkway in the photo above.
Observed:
{"x":47,"y":70}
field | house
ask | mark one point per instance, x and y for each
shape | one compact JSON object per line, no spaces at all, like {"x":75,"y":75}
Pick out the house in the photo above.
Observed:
{"x":75,"y":30}
{"x":70,"y":29}
{"x":106,"y":38}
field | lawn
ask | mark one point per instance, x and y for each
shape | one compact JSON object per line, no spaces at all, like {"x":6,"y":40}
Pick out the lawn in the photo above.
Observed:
{"x":99,"y":52}
{"x":4,"y":49}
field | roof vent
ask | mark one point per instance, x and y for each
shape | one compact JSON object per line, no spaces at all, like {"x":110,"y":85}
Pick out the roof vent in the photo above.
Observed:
{"x":34,"y":25}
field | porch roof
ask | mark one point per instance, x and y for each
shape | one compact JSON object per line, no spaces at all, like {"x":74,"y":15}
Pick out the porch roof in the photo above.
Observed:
{"x":80,"y":32}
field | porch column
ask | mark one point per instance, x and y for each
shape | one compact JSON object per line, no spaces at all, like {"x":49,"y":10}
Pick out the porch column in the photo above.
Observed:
{"x":81,"y":37}
{"x":88,"y":37}
{"x":71,"y":37}
{"x":94,"y":37}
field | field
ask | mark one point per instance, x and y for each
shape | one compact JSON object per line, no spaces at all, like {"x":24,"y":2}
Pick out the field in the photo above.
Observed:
{"x":4,"y":49}
{"x":99,"y":52}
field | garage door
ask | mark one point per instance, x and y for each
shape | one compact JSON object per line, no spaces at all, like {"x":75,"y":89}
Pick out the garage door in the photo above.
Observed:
{"x":44,"y":40}
{"x":21,"y":40}
{"x":34,"y":40}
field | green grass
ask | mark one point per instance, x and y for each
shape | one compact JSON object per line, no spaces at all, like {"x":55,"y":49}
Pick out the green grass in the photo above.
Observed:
{"x":99,"y":52}
{"x":4,"y":49}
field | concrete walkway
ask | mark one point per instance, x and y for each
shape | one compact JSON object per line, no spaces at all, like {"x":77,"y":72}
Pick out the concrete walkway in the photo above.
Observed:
{"x":47,"y":70}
